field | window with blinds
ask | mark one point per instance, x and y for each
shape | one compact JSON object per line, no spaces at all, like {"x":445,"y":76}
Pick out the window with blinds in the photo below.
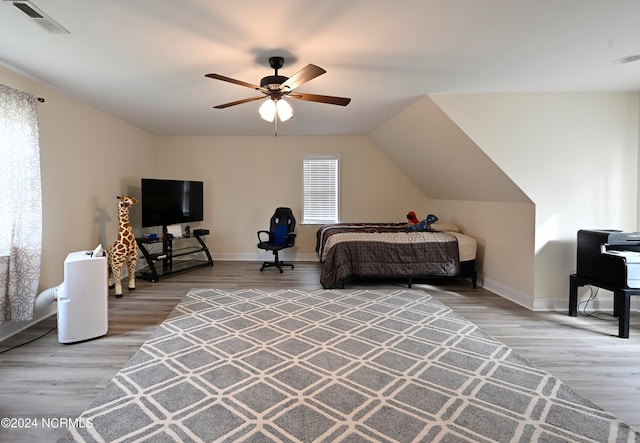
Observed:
{"x":320,"y":189}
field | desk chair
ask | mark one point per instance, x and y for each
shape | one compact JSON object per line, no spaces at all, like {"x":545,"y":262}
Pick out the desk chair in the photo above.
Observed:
{"x":279,"y":236}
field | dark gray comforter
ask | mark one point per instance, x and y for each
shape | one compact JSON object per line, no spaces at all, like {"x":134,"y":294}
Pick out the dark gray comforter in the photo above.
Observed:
{"x":388,"y":254}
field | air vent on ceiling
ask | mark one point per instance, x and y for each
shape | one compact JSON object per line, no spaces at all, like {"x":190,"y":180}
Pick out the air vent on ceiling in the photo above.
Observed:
{"x":39,"y":17}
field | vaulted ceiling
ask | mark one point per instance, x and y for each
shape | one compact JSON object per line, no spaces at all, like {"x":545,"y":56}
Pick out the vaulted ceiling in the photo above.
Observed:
{"x":427,"y":146}
{"x":144,"y":61}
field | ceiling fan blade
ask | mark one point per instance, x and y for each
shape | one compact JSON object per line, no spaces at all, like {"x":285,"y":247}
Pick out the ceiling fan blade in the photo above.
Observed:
{"x":342,"y":101}
{"x":232,"y":80}
{"x":239,"y":102}
{"x":307,"y":73}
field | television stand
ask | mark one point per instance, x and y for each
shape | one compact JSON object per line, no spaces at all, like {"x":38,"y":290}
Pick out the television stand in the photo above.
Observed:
{"x":164,"y":263}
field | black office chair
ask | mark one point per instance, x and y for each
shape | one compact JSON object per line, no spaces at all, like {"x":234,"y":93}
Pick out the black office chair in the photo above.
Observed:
{"x":279,"y":236}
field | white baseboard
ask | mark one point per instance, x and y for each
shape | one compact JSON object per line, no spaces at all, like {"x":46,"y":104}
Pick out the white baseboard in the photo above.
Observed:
{"x":603,"y":302}
{"x":12,"y":328}
{"x":260,"y":257}
{"x":508,"y":293}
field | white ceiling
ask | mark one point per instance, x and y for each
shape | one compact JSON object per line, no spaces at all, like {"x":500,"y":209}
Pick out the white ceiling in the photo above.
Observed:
{"x":144,"y":61}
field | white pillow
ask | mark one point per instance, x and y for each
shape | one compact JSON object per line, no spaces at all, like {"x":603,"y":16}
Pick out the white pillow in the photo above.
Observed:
{"x":442,"y":226}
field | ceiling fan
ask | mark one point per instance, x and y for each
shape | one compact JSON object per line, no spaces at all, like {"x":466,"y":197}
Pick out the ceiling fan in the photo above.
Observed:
{"x":277,"y":87}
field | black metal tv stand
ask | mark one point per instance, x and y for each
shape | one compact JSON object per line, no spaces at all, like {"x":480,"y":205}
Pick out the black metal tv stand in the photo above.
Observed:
{"x":162,"y":264}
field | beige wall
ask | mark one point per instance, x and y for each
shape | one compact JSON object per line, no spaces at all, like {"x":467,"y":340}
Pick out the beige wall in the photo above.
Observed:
{"x":466,"y":186}
{"x":575,"y":155}
{"x":246,"y":178}
{"x":431,"y":149}
{"x":87,"y":159}
{"x":505,"y":235}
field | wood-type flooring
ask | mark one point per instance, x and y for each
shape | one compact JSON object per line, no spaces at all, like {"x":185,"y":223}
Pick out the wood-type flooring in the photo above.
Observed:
{"x":57,"y":382}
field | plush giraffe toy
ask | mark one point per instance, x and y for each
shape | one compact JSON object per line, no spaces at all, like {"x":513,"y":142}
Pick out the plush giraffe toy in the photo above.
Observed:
{"x":124,"y":249}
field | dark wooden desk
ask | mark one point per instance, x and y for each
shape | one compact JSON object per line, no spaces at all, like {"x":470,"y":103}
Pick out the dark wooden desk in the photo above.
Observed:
{"x":621,"y":300}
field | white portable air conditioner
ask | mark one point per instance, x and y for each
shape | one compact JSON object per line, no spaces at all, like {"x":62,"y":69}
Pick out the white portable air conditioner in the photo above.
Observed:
{"x":82,"y":300}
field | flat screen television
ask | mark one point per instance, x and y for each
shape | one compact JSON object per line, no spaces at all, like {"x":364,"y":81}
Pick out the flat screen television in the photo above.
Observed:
{"x":171,"y":202}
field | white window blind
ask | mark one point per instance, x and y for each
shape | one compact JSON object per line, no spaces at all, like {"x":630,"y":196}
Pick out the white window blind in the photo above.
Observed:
{"x":320,"y":189}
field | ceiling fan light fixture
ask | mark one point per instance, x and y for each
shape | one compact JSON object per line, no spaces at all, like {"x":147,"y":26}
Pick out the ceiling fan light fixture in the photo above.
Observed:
{"x":268,"y":110}
{"x":285,"y":112}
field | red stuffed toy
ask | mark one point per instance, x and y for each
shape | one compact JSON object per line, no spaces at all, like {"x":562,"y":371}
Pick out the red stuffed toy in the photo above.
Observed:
{"x":413,"y":220}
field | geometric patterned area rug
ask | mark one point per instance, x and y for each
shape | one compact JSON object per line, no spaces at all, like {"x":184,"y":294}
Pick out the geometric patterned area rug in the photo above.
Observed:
{"x":334,"y":366}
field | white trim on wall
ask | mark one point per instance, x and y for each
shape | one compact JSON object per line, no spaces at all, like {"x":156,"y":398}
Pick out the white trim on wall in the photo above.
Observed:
{"x":12,"y":328}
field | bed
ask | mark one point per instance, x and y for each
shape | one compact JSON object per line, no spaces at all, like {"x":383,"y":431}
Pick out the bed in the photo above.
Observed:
{"x":390,"y":250}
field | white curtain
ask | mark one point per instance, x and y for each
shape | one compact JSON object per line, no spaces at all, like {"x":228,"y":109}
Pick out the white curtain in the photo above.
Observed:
{"x":20,"y":205}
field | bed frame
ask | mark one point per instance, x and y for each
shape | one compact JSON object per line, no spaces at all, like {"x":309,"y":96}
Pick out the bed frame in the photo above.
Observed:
{"x":467,"y":271}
